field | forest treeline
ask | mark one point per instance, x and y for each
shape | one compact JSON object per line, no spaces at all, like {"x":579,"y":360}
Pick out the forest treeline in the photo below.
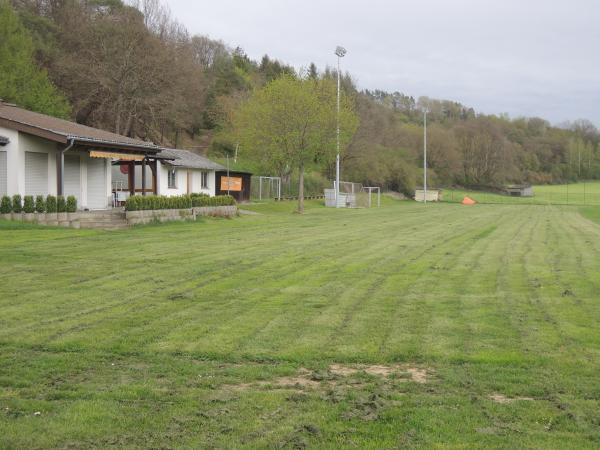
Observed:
{"x":133,"y":69}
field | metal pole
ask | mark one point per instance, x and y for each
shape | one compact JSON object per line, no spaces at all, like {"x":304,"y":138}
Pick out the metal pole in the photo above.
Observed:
{"x":279,"y":189}
{"x":144,"y":177}
{"x":425,"y":157}
{"x":260,"y":188}
{"x":337,"y":158}
{"x":228,"y":181}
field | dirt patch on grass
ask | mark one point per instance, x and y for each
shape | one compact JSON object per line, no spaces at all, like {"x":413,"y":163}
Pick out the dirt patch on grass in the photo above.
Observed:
{"x":336,"y":374}
{"x":297,"y":381}
{"x":503,"y":399}
{"x":414,"y":374}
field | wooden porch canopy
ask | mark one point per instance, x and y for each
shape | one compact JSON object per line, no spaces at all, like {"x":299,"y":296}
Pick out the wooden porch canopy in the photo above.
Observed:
{"x":117,"y":153}
{"x":144,"y":161}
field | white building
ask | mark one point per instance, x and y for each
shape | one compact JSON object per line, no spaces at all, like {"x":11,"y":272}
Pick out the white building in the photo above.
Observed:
{"x":180,"y":172}
{"x":42,"y":155}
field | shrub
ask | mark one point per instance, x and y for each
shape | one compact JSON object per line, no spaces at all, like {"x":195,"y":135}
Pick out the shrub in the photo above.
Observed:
{"x":51,"y":204}
{"x":219,"y":200}
{"x":61,"y":204}
{"x":5,"y":205}
{"x":71,"y":204}
{"x":40,"y":204}
{"x":16,"y":204}
{"x":28,"y":204}
{"x":154,"y":202}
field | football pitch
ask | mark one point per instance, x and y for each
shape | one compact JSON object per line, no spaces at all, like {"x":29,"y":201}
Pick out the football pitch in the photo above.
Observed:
{"x":405,"y":326}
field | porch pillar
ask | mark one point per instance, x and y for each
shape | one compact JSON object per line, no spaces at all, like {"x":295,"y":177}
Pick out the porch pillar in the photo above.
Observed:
{"x":131,"y":177}
{"x":153,"y":168}
{"x":60,"y":173}
{"x":144,"y":176}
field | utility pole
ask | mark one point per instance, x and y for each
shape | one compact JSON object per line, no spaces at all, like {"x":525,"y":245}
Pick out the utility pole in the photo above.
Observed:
{"x":228,"y":180}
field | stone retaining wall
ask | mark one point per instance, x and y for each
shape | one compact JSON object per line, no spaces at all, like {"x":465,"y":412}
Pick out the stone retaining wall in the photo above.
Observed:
{"x":69,"y":220}
{"x":73,"y":220}
{"x":168,"y":215}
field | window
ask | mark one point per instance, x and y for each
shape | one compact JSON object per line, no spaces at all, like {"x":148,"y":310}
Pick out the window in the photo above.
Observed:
{"x":204,"y":180}
{"x":172,"y":179}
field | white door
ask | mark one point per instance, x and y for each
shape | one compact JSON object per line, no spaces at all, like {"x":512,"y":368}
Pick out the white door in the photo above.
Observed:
{"x":73,"y":176}
{"x":36,"y":173}
{"x":96,"y":184}
{"x":3,"y":174}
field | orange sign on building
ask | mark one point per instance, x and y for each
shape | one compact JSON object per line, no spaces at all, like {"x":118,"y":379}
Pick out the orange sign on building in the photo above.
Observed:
{"x":231,"y":183}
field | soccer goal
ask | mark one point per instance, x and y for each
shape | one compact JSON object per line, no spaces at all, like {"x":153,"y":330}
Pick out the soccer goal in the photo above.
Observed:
{"x":354,"y":195}
{"x":371,"y":196}
{"x":269,"y":187}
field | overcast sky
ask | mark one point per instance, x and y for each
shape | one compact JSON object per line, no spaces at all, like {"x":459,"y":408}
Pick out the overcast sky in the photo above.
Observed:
{"x":522,"y":57}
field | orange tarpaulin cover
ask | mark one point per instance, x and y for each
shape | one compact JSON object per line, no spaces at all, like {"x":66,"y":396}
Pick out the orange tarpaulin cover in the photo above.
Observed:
{"x":468,"y":201}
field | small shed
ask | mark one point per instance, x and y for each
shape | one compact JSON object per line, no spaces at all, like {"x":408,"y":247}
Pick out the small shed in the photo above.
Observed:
{"x":519,"y":190}
{"x":237,"y":183}
{"x":433,"y":195}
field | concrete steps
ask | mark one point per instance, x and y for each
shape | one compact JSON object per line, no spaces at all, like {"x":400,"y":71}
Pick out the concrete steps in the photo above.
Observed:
{"x":105,"y":220}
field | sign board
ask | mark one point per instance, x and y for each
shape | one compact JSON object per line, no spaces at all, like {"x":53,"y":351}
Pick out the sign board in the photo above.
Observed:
{"x":231,"y":183}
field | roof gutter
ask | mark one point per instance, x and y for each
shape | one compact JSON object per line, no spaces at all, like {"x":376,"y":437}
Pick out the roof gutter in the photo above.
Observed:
{"x":60,"y":168}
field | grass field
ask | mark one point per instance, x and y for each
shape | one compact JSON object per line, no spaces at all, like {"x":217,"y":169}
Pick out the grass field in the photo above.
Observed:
{"x":582,"y":194}
{"x":408,"y":326}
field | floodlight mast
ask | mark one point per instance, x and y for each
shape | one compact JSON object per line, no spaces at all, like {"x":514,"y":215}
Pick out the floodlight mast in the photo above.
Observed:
{"x":425,"y":156}
{"x":340,"y":52}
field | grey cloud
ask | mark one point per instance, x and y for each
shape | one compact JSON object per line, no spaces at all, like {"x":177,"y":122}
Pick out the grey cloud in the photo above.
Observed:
{"x":534,"y":58}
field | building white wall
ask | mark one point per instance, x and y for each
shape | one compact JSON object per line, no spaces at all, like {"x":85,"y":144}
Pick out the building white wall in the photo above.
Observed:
{"x":182,"y":181}
{"x":21,"y":143}
{"x":12,"y":155}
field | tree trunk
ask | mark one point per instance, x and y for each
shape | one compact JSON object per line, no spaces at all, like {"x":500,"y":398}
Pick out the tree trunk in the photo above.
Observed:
{"x":301,"y":190}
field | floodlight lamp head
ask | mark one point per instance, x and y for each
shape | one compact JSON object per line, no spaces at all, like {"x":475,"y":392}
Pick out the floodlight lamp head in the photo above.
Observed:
{"x":340,"y":51}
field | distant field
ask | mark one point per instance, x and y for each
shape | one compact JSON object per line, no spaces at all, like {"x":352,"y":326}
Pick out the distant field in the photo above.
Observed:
{"x":564,"y":194}
{"x":408,"y":326}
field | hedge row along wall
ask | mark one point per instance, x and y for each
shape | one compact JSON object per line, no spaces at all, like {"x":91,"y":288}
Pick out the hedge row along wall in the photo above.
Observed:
{"x":158,"y":202}
{"x":38,"y":204}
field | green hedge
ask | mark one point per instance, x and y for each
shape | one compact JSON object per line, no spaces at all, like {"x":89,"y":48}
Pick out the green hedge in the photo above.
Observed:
{"x":28,"y":204}
{"x":17,"y":204}
{"x":219,"y":200}
{"x":40,"y":204}
{"x":153,"y":202}
{"x":6,"y":205}
{"x":71,"y":204}
{"x":51,"y":204}
{"x":61,"y":204}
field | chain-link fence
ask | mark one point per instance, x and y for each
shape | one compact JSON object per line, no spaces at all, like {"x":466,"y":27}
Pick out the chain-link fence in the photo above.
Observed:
{"x":573,"y":194}
{"x":265,"y":188}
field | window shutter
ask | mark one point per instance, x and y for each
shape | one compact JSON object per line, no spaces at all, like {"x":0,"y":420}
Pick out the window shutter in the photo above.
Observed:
{"x":36,"y":173}
{"x":96,"y":184}
{"x":3,"y":173}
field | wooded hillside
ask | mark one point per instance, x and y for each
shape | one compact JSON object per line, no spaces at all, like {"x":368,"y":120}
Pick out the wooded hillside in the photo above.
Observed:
{"x":133,"y":69}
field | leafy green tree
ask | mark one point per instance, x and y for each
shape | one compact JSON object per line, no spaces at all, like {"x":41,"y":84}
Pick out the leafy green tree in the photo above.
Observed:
{"x":21,"y":81}
{"x":292,"y":122}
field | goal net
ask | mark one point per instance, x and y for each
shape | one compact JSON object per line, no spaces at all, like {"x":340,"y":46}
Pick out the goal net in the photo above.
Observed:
{"x":360,"y":196}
